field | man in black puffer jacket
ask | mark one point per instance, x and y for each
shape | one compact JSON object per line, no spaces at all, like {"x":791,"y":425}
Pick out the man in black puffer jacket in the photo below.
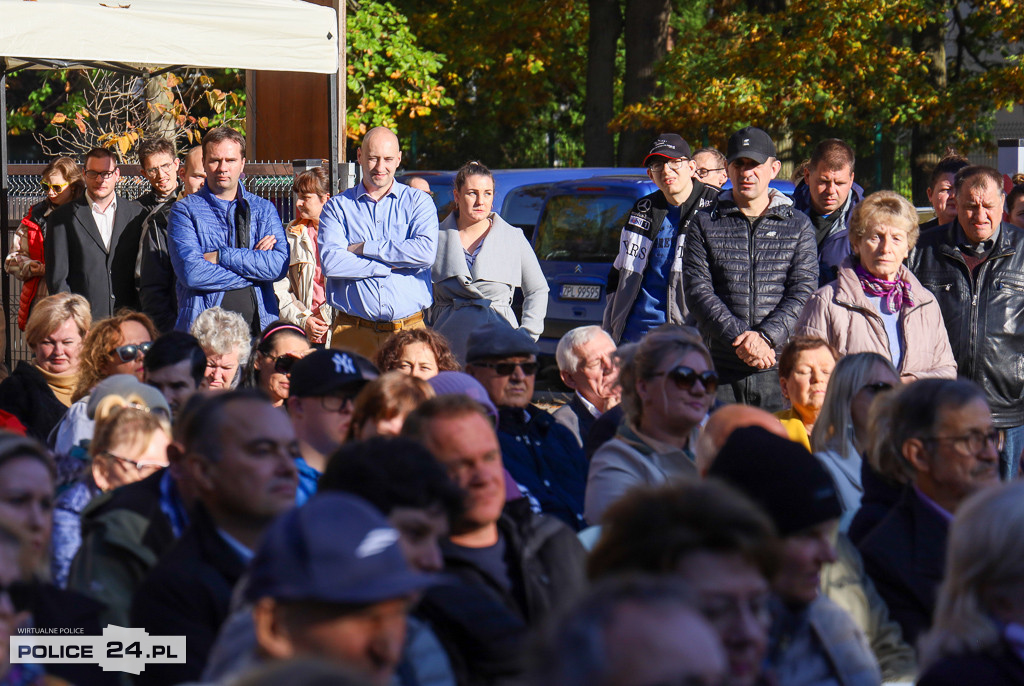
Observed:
{"x":749,"y":268}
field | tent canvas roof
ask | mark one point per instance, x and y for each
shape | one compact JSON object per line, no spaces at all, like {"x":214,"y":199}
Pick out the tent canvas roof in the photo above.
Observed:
{"x":267,"y":35}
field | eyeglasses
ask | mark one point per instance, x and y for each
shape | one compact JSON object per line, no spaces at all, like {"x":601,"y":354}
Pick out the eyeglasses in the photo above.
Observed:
{"x":701,"y":172}
{"x":674,"y":165}
{"x":685,"y":377}
{"x":509,"y":368}
{"x":337,"y":403}
{"x":162,"y":169}
{"x":54,"y":187}
{"x":283,"y":363}
{"x":143,"y":468}
{"x":877,"y":387}
{"x":974,"y":441}
{"x":93,"y":174}
{"x":130,"y":353}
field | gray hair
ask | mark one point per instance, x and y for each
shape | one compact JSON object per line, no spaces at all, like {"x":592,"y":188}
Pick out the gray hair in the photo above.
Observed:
{"x":834,"y":427}
{"x":565,"y":353}
{"x":985,"y":557}
{"x":222,"y":332}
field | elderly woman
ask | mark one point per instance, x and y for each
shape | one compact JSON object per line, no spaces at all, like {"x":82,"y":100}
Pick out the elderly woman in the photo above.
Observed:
{"x":422,"y":353}
{"x":116,"y":345}
{"x":301,"y":294}
{"x":281,"y":344}
{"x":841,"y":435}
{"x":39,"y":391}
{"x":225,"y":338}
{"x":481,"y":261}
{"x":62,"y":182}
{"x":804,"y":369}
{"x":668,"y":386}
{"x":876,"y":305}
{"x":976,"y":637}
{"x":129,"y":444}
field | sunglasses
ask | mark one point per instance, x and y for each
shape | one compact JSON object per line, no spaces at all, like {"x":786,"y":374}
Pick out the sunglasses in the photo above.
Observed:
{"x":130,"y":353}
{"x":55,"y":187}
{"x":509,"y":368}
{"x":685,"y":377}
{"x":876,"y":388}
{"x":283,"y":363}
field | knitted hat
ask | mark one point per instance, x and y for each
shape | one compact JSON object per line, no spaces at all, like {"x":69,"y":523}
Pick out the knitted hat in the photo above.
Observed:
{"x":779,"y":475}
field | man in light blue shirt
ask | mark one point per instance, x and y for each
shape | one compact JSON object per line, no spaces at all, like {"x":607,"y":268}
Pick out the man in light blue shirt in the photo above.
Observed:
{"x":377,"y":243}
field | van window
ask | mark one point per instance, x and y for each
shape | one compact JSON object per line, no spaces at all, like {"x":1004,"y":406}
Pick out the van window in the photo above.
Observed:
{"x":523,"y":206}
{"x":582,"y":228}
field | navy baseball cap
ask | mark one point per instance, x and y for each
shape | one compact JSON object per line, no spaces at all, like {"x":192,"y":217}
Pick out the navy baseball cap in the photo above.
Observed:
{"x":325,"y":372}
{"x":668,"y":146}
{"x":752,"y":143}
{"x":334,"y":549}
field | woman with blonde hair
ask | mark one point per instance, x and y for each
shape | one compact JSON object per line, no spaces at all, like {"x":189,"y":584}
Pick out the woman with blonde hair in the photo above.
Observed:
{"x":841,"y":434}
{"x":128,"y":444}
{"x":876,"y":304}
{"x":39,"y":391}
{"x":62,"y":182}
{"x":977,"y":636}
{"x":668,"y":386}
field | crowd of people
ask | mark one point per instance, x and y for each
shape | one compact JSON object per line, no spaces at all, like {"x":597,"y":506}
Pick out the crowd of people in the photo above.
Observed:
{"x":316,"y":452}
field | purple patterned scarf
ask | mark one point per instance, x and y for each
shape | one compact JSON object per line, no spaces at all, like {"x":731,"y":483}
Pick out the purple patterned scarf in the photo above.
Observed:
{"x":895,"y":293}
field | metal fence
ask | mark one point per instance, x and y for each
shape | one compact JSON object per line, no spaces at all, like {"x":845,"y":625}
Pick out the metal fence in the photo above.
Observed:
{"x":270,"y":180}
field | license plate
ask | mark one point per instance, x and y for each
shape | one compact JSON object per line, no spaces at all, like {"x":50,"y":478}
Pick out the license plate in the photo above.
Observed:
{"x":574,"y":291}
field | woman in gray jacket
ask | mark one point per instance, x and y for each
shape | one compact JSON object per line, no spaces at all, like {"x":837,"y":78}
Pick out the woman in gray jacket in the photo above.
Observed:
{"x":481,"y":260}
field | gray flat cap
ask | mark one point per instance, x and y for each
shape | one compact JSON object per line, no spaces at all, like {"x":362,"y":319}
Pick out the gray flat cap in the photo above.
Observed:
{"x":499,"y":339}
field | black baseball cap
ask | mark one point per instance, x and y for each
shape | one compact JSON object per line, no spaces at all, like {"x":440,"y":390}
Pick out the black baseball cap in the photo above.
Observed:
{"x":752,"y":143}
{"x":670,"y":146}
{"x":325,"y":372}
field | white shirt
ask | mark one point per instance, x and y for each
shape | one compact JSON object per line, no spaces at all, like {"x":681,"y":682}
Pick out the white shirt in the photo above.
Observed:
{"x":104,"y":218}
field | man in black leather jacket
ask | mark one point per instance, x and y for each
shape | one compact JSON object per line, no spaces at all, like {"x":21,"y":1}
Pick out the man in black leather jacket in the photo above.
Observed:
{"x":749,"y":267}
{"x":974,"y":267}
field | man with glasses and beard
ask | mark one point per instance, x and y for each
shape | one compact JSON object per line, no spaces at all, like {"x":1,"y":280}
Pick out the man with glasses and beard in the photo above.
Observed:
{"x":542,"y":456}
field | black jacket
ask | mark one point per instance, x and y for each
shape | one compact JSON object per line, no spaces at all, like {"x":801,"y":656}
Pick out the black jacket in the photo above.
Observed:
{"x":905,"y":556}
{"x":188,"y":593}
{"x":26,"y":395}
{"x":78,"y":262}
{"x":156,"y":280}
{"x":1002,"y":667}
{"x":485,"y":628}
{"x":983,"y":312}
{"x":880,"y":496}
{"x":742,"y":275}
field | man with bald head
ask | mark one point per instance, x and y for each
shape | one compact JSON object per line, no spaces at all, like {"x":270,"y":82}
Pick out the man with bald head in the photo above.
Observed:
{"x":723,"y":422}
{"x":377,"y":243}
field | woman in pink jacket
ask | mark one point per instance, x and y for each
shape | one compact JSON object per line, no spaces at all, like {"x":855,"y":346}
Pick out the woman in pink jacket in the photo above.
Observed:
{"x":876,"y":305}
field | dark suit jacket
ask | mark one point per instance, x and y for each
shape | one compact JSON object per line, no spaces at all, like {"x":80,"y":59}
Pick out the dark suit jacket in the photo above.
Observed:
{"x":905,"y":557}
{"x":1002,"y":667}
{"x":575,"y":417}
{"x":188,"y":593}
{"x":78,"y":262}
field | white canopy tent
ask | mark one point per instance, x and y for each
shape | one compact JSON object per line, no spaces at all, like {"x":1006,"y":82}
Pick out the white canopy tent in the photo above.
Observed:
{"x":151,"y":37}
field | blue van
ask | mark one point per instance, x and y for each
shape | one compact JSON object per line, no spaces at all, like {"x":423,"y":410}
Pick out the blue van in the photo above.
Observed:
{"x":518,"y":193}
{"x":576,"y":241}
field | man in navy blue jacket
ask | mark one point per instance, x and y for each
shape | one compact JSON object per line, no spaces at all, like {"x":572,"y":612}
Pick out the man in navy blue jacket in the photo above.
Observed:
{"x":227,"y":245}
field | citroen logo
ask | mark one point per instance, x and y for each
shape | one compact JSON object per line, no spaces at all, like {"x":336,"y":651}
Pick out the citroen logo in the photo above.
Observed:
{"x":578,"y":269}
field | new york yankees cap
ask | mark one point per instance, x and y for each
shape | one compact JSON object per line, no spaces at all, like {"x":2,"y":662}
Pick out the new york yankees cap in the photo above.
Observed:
{"x":752,"y":143}
{"x":326,"y":372}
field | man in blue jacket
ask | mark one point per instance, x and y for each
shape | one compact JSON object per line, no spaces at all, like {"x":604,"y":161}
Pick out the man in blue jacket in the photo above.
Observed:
{"x":227,"y":245}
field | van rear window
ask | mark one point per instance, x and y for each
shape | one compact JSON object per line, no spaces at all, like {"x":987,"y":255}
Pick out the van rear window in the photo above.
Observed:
{"x":582,"y":228}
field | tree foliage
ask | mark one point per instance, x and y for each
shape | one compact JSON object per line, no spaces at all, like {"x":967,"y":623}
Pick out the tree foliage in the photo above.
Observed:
{"x":390,"y":77}
{"x":846,"y":66}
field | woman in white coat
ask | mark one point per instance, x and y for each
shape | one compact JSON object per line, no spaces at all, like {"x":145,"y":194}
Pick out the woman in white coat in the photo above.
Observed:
{"x":481,"y":260}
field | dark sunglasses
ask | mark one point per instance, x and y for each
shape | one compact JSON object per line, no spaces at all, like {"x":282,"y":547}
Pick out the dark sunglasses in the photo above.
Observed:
{"x":130,"y":353}
{"x":876,"y":388}
{"x":685,"y":377}
{"x":284,"y":363}
{"x":509,"y":368}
